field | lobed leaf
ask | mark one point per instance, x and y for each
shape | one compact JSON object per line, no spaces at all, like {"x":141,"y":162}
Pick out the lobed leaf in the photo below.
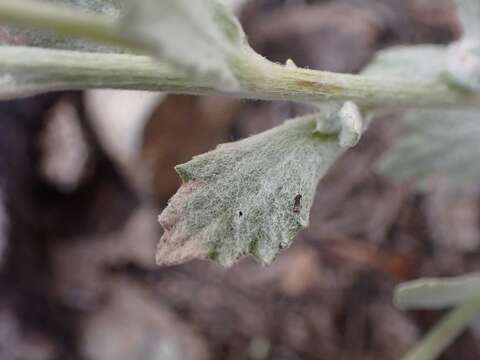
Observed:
{"x":202,"y":36}
{"x":249,"y":197}
{"x":437,"y":293}
{"x":437,"y":142}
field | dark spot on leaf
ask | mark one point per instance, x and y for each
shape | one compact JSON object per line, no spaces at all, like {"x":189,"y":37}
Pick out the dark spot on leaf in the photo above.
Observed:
{"x":213,"y":255}
{"x":253,"y":246}
{"x":297,"y":204}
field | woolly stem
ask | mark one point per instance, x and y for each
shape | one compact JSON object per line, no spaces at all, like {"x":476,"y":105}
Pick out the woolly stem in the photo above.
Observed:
{"x":446,"y":332}
{"x":25,"y":71}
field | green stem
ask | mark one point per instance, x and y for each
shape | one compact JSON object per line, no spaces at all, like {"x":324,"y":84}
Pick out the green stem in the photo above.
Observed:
{"x":259,"y":79}
{"x":25,"y":71}
{"x":446,"y":332}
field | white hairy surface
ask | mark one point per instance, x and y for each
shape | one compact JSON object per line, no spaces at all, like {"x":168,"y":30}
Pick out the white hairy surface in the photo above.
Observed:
{"x":437,"y":142}
{"x":201,"y":36}
{"x":249,"y":197}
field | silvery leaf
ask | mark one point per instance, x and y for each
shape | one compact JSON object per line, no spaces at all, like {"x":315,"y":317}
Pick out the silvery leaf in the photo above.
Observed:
{"x":249,"y":197}
{"x":437,"y":142}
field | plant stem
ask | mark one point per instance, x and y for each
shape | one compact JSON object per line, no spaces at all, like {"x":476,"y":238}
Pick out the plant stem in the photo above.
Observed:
{"x":445,"y":333}
{"x":437,"y":293}
{"x":26,"y":71}
{"x":64,"y":20}
{"x":306,"y":85}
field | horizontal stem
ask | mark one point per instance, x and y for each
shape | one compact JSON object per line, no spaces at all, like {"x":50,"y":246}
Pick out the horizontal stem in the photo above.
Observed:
{"x":26,"y":70}
{"x":306,"y":85}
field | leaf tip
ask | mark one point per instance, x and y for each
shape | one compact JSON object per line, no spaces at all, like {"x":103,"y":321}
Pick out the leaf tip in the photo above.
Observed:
{"x":175,"y":245}
{"x":168,"y":254}
{"x":184,"y":174}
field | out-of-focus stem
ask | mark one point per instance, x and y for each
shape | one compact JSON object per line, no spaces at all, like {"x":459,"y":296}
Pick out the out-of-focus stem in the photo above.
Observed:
{"x":445,"y":332}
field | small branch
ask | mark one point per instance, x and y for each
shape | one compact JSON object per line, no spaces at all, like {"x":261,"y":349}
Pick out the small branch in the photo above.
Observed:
{"x":446,"y":332}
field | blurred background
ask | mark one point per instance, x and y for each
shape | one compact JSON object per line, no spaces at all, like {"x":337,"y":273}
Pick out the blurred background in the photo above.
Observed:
{"x":83,"y":177}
